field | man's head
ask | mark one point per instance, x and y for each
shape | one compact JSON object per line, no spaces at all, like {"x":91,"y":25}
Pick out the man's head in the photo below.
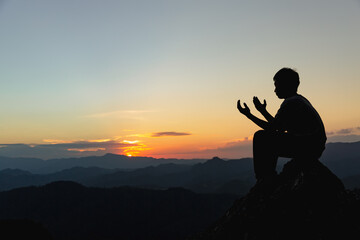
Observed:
{"x":286,"y":82}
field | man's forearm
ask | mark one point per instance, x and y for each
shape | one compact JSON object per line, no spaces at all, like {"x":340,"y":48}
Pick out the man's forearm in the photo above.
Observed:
{"x":267,"y":116}
{"x":261,"y":123}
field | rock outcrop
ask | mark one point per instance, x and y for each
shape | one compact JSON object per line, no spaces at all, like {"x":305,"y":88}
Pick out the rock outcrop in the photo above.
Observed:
{"x":23,"y":229}
{"x":307,"y":201}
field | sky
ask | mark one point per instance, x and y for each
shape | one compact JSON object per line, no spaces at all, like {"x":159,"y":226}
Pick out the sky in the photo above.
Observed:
{"x":161,"y":78}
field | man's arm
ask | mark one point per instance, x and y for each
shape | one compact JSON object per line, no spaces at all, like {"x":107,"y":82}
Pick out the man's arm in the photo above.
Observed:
{"x":246,"y":111}
{"x":261,"y":107}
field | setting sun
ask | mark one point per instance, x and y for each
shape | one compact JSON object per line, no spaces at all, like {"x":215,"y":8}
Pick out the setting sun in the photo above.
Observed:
{"x":133,"y":148}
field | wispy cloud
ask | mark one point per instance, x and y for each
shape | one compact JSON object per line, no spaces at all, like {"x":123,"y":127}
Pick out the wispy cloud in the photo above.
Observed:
{"x":53,"y":148}
{"x":84,"y":144}
{"x":131,"y":142}
{"x":158,"y":134}
{"x":86,"y":149}
{"x":234,"y":149}
{"x":139,"y":135}
{"x":344,"y":135}
{"x":133,"y":114}
{"x":169,"y":134}
{"x":344,"y":131}
{"x":344,"y":138}
{"x":56,"y":141}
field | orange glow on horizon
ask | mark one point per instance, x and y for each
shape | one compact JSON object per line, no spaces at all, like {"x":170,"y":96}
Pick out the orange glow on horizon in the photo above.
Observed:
{"x":130,"y":142}
{"x":134,"y":148}
{"x":195,"y":146}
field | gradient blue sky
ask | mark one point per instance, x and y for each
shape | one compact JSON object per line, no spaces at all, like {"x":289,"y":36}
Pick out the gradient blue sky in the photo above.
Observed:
{"x":122,"y":71}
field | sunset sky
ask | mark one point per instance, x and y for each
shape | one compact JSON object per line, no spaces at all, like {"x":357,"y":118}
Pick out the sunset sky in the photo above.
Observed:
{"x":161,"y":78}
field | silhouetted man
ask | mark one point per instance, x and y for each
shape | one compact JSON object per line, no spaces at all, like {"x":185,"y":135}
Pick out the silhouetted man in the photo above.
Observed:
{"x":296,"y":131}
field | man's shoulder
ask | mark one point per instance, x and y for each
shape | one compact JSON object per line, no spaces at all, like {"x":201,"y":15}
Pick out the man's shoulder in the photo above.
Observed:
{"x":294,"y":100}
{"x":296,"y":103}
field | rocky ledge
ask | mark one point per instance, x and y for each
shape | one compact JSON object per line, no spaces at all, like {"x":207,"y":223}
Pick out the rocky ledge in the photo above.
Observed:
{"x":306,"y":201}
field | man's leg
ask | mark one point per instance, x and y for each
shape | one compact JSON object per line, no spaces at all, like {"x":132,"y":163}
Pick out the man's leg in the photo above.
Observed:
{"x":301,"y":148}
{"x":265,"y":154}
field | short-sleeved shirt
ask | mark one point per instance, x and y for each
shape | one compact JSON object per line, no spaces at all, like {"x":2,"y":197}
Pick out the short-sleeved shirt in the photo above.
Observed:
{"x":299,"y":118}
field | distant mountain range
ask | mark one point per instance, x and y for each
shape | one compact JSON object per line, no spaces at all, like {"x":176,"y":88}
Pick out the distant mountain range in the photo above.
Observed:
{"x":71,"y":211}
{"x":110,"y":161}
{"x":335,"y":154}
{"x":342,"y":158}
{"x":211,"y":176}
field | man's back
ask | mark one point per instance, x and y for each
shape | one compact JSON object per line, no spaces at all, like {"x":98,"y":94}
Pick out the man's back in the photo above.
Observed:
{"x":298,"y":117}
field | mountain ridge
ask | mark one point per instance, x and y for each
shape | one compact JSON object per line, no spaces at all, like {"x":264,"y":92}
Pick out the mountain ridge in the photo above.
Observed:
{"x":69,"y":210}
{"x":331,"y":156}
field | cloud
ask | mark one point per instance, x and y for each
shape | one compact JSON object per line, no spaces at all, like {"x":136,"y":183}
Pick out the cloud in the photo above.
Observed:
{"x":84,"y":144}
{"x":131,"y":142}
{"x":86,"y":149}
{"x":60,"y":149}
{"x":139,"y":135}
{"x":344,"y":135}
{"x":132,"y":114}
{"x":344,"y":138}
{"x":238,"y":148}
{"x":169,"y":134}
{"x":344,"y":131}
{"x":232,"y":149}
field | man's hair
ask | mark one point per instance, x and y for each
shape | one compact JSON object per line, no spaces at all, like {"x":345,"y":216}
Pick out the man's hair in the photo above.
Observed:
{"x":287,"y":77}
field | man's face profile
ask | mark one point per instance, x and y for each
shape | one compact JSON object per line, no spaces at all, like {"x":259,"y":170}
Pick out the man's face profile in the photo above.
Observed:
{"x":283,"y":90}
{"x":279,"y":89}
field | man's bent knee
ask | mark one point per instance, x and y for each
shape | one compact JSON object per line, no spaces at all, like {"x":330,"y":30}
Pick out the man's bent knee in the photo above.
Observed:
{"x":261,"y":135}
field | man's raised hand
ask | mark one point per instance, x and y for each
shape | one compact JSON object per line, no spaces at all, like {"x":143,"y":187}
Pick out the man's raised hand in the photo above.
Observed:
{"x":244,"y":110}
{"x":261,"y":107}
